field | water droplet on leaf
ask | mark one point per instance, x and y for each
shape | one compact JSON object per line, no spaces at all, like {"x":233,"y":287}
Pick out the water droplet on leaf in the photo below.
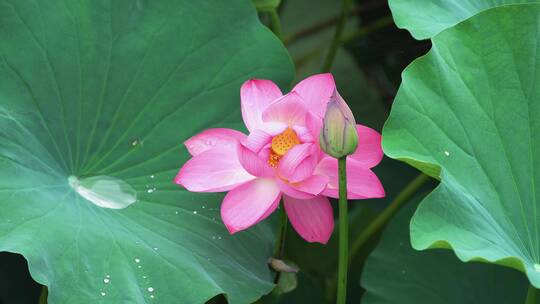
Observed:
{"x":104,"y":191}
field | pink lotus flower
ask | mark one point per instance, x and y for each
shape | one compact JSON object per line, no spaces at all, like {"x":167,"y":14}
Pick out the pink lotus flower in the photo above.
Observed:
{"x":280,"y":158}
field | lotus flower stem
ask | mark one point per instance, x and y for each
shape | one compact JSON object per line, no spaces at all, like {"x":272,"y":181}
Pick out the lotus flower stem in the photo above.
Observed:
{"x":532,"y":295}
{"x":275,"y":23}
{"x":368,"y":29}
{"x":279,"y":251}
{"x":343,"y":232}
{"x":43,"y":295}
{"x":336,"y":42}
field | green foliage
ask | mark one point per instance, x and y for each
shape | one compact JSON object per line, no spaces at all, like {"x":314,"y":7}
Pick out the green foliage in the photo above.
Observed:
{"x":266,"y":5}
{"x":471,"y":108}
{"x":426,"y":18}
{"x":107,"y":91}
{"x":96,"y":98}
{"x":288,"y":282}
{"x":397,"y":274}
{"x":309,"y":52}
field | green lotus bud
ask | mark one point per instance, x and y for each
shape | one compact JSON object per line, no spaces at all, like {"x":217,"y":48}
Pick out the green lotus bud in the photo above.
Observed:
{"x":338,"y":137}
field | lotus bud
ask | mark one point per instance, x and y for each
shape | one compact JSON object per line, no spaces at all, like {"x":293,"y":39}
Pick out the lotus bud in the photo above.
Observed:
{"x":338,"y":137}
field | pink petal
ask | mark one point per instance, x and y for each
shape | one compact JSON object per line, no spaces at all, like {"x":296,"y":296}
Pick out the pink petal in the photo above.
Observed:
{"x":249,"y":204}
{"x":304,"y":134}
{"x":256,"y":95}
{"x":314,"y":184}
{"x":289,"y":190}
{"x":314,"y":124}
{"x":289,"y":109}
{"x":303,"y":170}
{"x":264,"y":153}
{"x":214,"y":170}
{"x":369,"y":152}
{"x":211,"y":138}
{"x":274,"y":128}
{"x":308,"y":188}
{"x":253,"y":164}
{"x":257,"y":139}
{"x":362,"y":183}
{"x":316,"y":91}
{"x":298,"y":163}
{"x":313,"y":219}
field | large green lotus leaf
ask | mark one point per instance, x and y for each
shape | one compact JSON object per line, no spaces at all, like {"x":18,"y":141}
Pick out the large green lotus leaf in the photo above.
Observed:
{"x":467,"y":113}
{"x":96,"y":98}
{"x":397,"y":274}
{"x":426,"y":18}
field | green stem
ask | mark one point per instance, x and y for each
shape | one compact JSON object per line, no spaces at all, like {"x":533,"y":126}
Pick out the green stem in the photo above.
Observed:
{"x":380,"y":221}
{"x":282,"y":233}
{"x":279,"y":250}
{"x":532,"y":295}
{"x":325,"y":24}
{"x":377,"y":224}
{"x":343,"y":232}
{"x":336,"y":42}
{"x":361,"y":32}
{"x":275,"y":23}
{"x":368,"y":29}
{"x":43,"y":295}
